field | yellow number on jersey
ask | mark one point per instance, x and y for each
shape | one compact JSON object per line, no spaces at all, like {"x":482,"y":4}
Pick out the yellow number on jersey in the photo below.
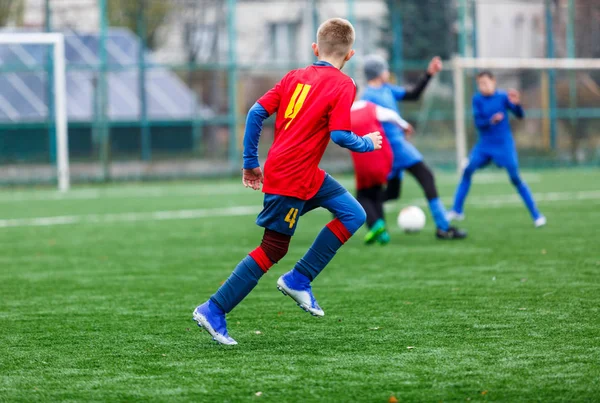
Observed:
{"x":296,"y":103}
{"x":291,"y":217}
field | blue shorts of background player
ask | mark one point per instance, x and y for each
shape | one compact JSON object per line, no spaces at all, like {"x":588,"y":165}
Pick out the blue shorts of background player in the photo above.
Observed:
{"x":405,"y":156}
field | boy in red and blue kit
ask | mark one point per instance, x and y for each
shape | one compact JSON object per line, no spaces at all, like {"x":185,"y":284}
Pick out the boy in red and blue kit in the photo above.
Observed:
{"x":313,"y":107}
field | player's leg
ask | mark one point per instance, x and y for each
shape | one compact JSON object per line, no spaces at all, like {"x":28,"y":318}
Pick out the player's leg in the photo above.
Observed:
{"x":350,"y":216}
{"x":384,"y":237}
{"x":366,"y":198}
{"x":426,"y":180}
{"x":369,"y":199}
{"x":405,"y":155}
{"x":478,"y":160}
{"x":394,"y":185}
{"x":279,"y":218}
{"x":512,"y":168}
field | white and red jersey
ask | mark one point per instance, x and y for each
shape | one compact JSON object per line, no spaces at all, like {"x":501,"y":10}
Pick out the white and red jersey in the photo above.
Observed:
{"x":372,"y":169}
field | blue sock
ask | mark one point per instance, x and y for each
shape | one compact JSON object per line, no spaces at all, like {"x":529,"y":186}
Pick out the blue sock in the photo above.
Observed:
{"x":438,"y":211}
{"x":528,"y":200}
{"x":439,"y":214}
{"x":243,"y":279}
{"x":319,"y":255}
{"x":461,"y":194}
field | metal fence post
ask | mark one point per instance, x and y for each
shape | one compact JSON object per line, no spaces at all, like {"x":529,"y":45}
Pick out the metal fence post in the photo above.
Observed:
{"x":551,"y":72}
{"x":474,"y":36}
{"x":398,"y":42}
{"x":232,"y":83}
{"x":352,"y":19}
{"x":571,"y":53}
{"x":103,"y":96}
{"x":144,"y":124}
{"x":314,"y":11}
{"x":50,"y":87}
{"x":462,"y":36}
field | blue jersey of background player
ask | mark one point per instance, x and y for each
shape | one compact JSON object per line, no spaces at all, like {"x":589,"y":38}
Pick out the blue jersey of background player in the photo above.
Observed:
{"x":496,"y":143}
{"x":380,"y":92}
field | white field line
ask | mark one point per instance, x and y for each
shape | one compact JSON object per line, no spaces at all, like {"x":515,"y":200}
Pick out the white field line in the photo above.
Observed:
{"x":125,"y":193}
{"x":485,"y":178}
{"x":130,"y":217}
{"x":229,"y":188}
{"x":496,"y":201}
{"x":480,"y":202}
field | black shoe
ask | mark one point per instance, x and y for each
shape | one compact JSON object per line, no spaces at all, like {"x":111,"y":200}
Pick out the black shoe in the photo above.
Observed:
{"x":452,"y":233}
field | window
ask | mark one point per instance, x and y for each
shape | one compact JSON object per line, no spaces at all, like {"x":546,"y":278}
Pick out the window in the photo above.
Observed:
{"x":283,"y":37}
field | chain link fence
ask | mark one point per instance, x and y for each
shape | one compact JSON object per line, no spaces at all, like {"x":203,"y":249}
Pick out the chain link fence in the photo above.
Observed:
{"x":160,"y":88}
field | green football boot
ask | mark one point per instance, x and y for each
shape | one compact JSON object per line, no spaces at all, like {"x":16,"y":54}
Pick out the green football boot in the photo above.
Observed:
{"x":376,"y":230}
{"x":384,"y":238}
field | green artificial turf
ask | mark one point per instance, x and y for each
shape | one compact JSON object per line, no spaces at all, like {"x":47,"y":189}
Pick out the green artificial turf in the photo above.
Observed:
{"x":100,"y":309}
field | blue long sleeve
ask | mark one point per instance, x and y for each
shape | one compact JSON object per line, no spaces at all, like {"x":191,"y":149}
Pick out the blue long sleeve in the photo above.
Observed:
{"x":398,"y":92}
{"x":254,"y":122}
{"x":481,"y":120}
{"x":351,"y":141}
{"x":516,"y":109}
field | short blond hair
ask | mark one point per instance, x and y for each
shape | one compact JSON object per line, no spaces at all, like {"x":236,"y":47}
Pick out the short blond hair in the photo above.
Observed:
{"x":335,"y":37}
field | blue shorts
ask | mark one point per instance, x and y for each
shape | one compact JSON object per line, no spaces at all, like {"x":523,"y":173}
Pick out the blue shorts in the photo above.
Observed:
{"x":281,"y":213}
{"x":405,"y":155}
{"x":503,"y":155}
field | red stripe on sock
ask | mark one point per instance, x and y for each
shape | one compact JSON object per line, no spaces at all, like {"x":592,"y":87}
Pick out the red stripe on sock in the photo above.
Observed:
{"x":339,"y":230}
{"x":261,"y":259}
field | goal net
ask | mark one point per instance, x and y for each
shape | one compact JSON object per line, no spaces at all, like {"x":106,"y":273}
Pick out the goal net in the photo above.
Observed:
{"x":35,"y":99}
{"x":561,"y":98}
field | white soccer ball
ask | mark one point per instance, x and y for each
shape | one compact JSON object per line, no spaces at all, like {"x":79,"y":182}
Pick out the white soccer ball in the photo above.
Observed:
{"x":411,"y":219}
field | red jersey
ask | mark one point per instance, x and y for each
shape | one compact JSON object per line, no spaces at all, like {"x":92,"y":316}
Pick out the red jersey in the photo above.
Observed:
{"x":310,"y":103}
{"x":371,"y":169}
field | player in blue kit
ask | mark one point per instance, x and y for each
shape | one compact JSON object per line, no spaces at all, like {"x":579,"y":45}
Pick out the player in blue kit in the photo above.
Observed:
{"x":406,"y":157}
{"x":496,"y":143}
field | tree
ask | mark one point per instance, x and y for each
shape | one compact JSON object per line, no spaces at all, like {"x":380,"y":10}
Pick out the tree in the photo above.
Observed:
{"x":427,"y":28}
{"x":11,"y":11}
{"x":140,"y":16}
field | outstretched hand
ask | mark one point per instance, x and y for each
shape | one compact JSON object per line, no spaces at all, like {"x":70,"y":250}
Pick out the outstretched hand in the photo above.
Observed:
{"x":435,"y":66}
{"x":497,"y":118}
{"x":514,"y":96}
{"x":376,"y":138}
{"x":252,"y":178}
{"x":409,"y":130}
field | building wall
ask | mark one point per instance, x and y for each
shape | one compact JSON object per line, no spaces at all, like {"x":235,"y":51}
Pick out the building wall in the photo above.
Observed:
{"x":80,"y":15}
{"x":510,"y":29}
{"x":255,"y":22}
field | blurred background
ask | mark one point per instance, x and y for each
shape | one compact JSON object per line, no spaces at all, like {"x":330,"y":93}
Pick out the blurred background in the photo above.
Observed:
{"x":160,"y":88}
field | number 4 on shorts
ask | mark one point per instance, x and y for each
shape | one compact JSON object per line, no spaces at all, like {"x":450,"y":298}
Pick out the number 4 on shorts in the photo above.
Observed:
{"x":291,"y":217}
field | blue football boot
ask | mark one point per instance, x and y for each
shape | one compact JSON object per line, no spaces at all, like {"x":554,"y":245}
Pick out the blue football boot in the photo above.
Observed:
{"x":297,"y":287}
{"x":212,"y":318}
